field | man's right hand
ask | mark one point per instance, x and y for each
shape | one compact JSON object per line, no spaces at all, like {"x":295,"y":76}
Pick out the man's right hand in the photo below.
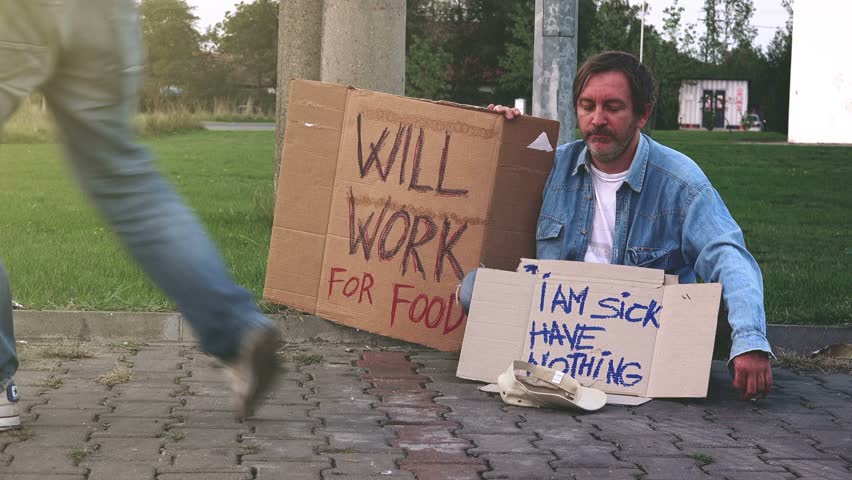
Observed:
{"x":508,"y":112}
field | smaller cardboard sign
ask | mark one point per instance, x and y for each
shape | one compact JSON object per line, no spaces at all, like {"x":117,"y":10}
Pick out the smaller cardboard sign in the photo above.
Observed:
{"x":623,"y":330}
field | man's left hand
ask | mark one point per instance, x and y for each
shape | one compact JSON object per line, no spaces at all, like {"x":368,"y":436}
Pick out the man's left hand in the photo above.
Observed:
{"x":752,"y":374}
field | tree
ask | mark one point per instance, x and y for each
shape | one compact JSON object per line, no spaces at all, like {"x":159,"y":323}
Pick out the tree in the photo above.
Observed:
{"x":682,"y":36}
{"x":172,"y":44}
{"x":249,"y":37}
{"x":517,"y":62}
{"x":727,"y":25}
{"x":426,"y":67}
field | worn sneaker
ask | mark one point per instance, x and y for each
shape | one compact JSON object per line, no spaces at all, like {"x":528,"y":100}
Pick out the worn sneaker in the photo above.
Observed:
{"x":10,"y":419}
{"x":253,"y":371}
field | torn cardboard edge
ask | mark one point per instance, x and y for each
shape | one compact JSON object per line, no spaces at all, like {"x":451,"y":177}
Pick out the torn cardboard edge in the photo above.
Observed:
{"x":674,"y":357}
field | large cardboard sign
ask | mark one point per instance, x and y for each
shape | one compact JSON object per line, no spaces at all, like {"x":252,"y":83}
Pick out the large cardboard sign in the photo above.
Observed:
{"x":386,"y":202}
{"x":623,"y":330}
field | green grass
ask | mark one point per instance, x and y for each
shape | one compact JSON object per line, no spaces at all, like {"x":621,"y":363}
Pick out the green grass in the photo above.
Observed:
{"x":792,"y":202}
{"x":60,"y":255}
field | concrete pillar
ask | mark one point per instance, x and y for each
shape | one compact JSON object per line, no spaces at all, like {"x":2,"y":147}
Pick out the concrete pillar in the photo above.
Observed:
{"x":299,"y":50}
{"x":555,"y":63}
{"x":363,"y":44}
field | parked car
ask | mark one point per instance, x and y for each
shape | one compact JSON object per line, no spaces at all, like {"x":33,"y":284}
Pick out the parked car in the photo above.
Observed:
{"x":753,"y":123}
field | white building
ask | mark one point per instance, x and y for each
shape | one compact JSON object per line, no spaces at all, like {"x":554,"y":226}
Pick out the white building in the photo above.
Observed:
{"x":821,"y":73}
{"x":725,"y":101}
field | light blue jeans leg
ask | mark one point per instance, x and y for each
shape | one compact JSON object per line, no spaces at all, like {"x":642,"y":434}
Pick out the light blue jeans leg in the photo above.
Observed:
{"x":466,"y":290}
{"x":8,"y":357}
{"x":91,"y":88}
{"x":93,"y":95}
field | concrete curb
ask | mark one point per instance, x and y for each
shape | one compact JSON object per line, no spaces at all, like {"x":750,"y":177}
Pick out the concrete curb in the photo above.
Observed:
{"x":172,"y":327}
{"x":296,"y":328}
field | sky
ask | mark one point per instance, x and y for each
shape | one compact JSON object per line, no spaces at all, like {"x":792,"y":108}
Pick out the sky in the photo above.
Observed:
{"x":769,"y":14}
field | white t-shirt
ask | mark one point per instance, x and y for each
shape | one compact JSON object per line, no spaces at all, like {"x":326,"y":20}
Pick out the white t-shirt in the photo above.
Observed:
{"x":606,"y":184}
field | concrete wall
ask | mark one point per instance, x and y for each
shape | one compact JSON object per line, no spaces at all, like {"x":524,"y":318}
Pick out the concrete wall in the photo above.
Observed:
{"x":821,"y":76}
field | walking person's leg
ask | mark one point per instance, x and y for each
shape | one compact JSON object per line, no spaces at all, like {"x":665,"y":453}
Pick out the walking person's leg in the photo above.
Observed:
{"x":93,"y":96}
{"x":25,"y":62}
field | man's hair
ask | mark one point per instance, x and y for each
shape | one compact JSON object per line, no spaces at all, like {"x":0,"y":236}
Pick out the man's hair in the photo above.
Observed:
{"x":642,"y":84}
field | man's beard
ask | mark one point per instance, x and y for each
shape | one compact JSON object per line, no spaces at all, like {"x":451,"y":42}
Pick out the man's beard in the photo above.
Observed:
{"x":612,"y":150}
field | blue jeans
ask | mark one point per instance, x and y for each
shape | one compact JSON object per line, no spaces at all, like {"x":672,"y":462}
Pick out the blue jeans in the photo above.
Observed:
{"x":86,"y":57}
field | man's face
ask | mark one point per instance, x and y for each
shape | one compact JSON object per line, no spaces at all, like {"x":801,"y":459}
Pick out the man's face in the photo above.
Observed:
{"x":607,"y":121}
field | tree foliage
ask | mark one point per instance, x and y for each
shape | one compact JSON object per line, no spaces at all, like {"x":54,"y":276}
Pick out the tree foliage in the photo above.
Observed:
{"x":172,"y":44}
{"x":249,"y":37}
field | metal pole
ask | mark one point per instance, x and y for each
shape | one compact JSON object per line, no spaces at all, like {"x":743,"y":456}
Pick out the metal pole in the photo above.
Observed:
{"x":642,"y":33}
{"x":555,"y":63}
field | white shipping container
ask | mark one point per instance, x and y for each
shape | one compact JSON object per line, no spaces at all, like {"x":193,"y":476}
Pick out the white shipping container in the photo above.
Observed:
{"x":727,"y":99}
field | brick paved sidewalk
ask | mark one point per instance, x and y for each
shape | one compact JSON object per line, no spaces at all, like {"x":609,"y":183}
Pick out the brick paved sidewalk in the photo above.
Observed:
{"x":344,"y":413}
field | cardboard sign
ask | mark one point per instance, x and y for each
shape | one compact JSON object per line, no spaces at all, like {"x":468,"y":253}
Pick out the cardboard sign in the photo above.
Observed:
{"x":623,"y":330}
{"x":386,"y":202}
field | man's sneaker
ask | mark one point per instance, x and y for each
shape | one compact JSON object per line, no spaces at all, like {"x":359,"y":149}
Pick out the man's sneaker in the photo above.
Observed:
{"x":9,"y":417}
{"x":253,"y":371}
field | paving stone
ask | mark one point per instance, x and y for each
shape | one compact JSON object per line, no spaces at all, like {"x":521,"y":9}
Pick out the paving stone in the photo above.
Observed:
{"x":207,"y":437}
{"x":631,"y":426}
{"x":48,"y":460}
{"x":655,"y":444}
{"x":443,"y":471}
{"x":219,"y":473}
{"x":281,"y":412}
{"x":203,"y":458}
{"x":129,"y":393}
{"x":822,"y":469}
{"x":360,"y":442}
{"x":96,"y":401}
{"x":592,"y":456}
{"x":120,"y":470}
{"x":600,"y":473}
{"x":276,"y":449}
{"x":288,"y":470}
{"x":527,"y":467}
{"x":424,"y":434}
{"x":49,"y":436}
{"x":807,"y":421}
{"x":501,"y":444}
{"x":403,"y":399}
{"x":456,"y":453}
{"x":125,"y":426}
{"x":205,"y":476}
{"x":217,"y":404}
{"x":68,"y":417}
{"x":696,"y":437}
{"x":286,"y":429}
{"x":668,"y":468}
{"x":801,"y":448}
{"x":9,"y":475}
{"x":363,"y":464}
{"x":348,"y":423}
{"x":837,"y":441}
{"x":744,"y":475}
{"x":769,"y":428}
{"x":140,"y":450}
{"x":145,"y":409}
{"x":734,"y":459}
{"x":464,"y":391}
{"x":205,"y":419}
{"x":414,"y":415}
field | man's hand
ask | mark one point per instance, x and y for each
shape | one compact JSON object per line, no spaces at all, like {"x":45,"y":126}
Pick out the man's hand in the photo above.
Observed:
{"x":752,"y":373}
{"x":510,"y":113}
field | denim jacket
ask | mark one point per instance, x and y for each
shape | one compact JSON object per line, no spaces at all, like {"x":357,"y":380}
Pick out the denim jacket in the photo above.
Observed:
{"x":668,"y":216}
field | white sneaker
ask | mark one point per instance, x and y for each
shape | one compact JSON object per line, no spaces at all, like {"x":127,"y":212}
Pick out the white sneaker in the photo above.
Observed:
{"x":10,"y":419}
{"x":253,"y":371}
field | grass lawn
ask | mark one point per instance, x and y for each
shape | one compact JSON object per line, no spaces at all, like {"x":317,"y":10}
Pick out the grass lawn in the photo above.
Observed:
{"x":793,"y":203}
{"x":61,"y":256}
